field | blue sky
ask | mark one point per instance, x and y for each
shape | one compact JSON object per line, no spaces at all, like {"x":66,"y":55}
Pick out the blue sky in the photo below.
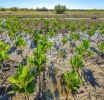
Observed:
{"x":71,"y":4}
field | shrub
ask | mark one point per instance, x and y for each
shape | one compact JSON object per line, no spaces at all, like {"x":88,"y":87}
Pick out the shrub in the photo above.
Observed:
{"x":60,"y":9}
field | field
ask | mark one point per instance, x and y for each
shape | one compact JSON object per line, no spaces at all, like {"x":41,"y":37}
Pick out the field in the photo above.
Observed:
{"x":52,"y":14}
{"x":51,"y":59}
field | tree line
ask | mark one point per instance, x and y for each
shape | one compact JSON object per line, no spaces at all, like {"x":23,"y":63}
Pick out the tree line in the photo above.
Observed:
{"x":58,"y":8}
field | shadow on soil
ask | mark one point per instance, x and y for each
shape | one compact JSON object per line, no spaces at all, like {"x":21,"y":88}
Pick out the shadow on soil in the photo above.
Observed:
{"x":4,"y":95}
{"x":89,"y":77}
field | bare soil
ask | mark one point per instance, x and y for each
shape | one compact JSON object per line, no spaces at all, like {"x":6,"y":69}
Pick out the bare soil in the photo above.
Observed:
{"x":53,"y":87}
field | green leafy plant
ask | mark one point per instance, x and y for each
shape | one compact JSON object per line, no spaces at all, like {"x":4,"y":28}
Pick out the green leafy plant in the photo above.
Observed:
{"x":67,"y":25}
{"x":22,"y":81}
{"x":20,"y":42}
{"x":51,"y":33}
{"x":46,"y":45}
{"x":60,"y":9}
{"x":37,"y":36}
{"x":72,"y":80}
{"x":55,"y":70}
{"x":12,"y":36}
{"x":36,"y":23}
{"x":101,"y":26}
{"x":89,"y":53}
{"x":101,"y":32}
{"x":83,"y":48}
{"x":3,"y":54}
{"x":74,"y":36}
{"x":30,"y":32}
{"x":64,"y":40}
{"x":91,"y":32}
{"x":4,"y":46}
{"x":39,"y":58}
{"x":60,"y":54}
{"x":72,"y":27}
{"x":101,"y":47}
{"x":54,"y":24}
{"x":95,"y":24}
{"x":39,"y":61}
{"x":30,"y":61}
{"x":84,"y":28}
{"x":1,"y":31}
{"x":77,"y":62}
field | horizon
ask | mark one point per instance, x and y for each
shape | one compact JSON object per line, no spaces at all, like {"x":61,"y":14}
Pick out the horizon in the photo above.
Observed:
{"x":50,"y":4}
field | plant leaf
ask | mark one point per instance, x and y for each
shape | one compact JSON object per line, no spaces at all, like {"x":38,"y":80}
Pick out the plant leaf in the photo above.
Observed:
{"x":10,"y":92}
{"x":20,"y":69}
{"x":25,"y":71}
{"x":12,"y":80}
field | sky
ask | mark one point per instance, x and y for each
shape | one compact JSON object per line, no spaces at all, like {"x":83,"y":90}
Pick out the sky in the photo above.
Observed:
{"x":71,"y":4}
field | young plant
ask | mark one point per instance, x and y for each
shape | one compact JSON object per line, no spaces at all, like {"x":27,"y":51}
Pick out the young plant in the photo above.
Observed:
{"x":101,"y":47}
{"x":39,"y":61}
{"x":101,"y":32}
{"x":60,"y":54}
{"x":95,"y":24}
{"x":51,"y":33}
{"x":55,"y":70}
{"x":37,"y":36}
{"x":22,"y":82}
{"x":1,"y":31}
{"x":73,"y":37}
{"x":39,"y":58}
{"x":77,"y":62}
{"x":91,"y":32}
{"x":12,"y":36}
{"x":46,"y":45}
{"x":30,"y":61}
{"x":3,"y":54}
{"x":83,"y":48}
{"x":46,"y":27}
{"x":72,"y":27}
{"x":64,"y":40}
{"x":54,"y":24}
{"x":20,"y":43}
{"x":89,"y":53}
{"x":67,"y":25}
{"x":36,"y":23}
{"x":83,"y":28}
{"x":72,"y":80}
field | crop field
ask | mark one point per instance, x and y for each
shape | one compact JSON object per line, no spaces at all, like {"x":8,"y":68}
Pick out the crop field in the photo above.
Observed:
{"x":51,"y":59}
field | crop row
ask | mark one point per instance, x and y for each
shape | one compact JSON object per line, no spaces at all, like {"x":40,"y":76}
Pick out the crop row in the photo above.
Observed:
{"x":22,"y":81}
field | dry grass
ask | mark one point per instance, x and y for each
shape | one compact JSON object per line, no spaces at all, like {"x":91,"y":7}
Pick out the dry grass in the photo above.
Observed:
{"x":68,"y":14}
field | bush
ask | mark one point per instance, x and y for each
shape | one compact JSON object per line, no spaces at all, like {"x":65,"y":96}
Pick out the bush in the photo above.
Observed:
{"x":2,"y":9}
{"x":14,"y":8}
{"x":60,"y":9}
{"x":42,"y":9}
